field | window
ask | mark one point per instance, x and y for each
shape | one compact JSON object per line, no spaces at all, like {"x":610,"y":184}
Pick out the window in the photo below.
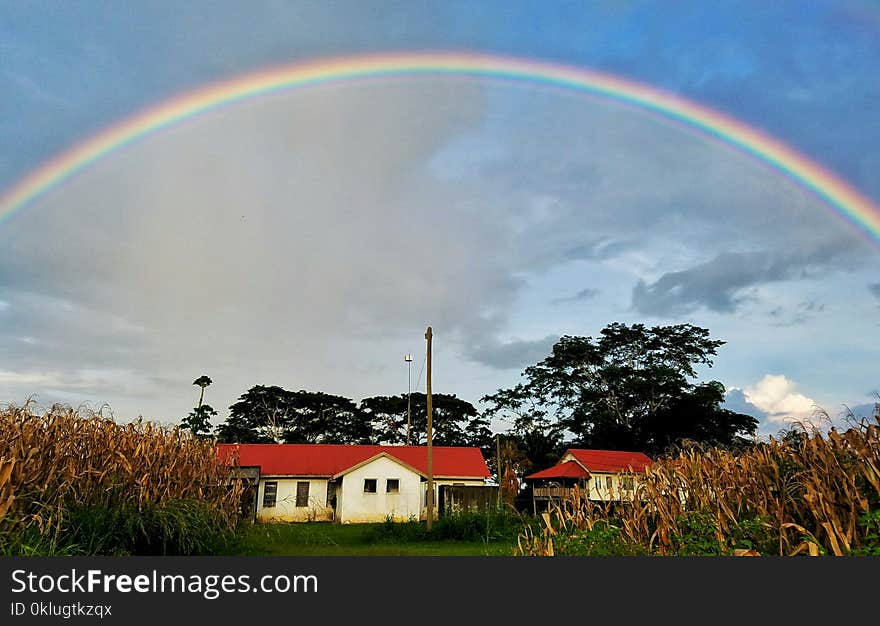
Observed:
{"x":331,"y":494}
{"x":608,"y":482}
{"x":270,"y":490}
{"x":627,"y":483}
{"x":392,"y":485}
{"x":369,"y":485}
{"x":302,"y":493}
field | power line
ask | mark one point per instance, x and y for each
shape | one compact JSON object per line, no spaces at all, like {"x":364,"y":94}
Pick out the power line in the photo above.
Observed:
{"x":422,"y":369}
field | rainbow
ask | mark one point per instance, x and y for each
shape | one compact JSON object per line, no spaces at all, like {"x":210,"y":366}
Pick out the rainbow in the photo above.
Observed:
{"x":842,"y":199}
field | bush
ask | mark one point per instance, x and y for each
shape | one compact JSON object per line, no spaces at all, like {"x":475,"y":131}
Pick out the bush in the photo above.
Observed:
{"x":494,"y":524}
{"x":603,"y":538}
{"x":175,"y":527}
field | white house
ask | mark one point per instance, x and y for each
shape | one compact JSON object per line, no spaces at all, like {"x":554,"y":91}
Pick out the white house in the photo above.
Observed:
{"x":602,"y":475}
{"x":349,"y":483}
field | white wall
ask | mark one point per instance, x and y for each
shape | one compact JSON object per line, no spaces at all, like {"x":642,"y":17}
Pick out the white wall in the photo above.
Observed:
{"x":353,"y":505}
{"x":285,"y":509}
{"x":598,"y":485}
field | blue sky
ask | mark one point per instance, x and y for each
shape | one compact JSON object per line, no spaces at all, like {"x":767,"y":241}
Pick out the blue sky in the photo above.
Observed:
{"x":285,"y":240}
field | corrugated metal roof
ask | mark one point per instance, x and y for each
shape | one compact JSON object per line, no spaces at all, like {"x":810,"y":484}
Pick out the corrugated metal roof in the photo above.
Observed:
{"x":292,"y":459}
{"x":569,"y":469}
{"x":611,"y":460}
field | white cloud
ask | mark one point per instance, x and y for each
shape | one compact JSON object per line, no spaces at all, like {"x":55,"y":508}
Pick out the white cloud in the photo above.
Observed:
{"x":777,"y":396}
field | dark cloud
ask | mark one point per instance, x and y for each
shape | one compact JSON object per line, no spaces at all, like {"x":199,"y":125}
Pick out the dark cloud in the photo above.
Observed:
{"x":513,"y":354}
{"x":735,"y":400}
{"x":800,"y":314}
{"x":721,"y":284}
{"x":875,"y":289}
{"x":584,"y":294}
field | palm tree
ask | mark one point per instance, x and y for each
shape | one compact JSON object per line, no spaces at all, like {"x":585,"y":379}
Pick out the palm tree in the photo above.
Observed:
{"x":202,"y":381}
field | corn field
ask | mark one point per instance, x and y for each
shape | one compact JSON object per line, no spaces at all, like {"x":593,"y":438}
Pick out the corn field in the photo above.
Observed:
{"x":818,"y":495}
{"x":65,"y":459}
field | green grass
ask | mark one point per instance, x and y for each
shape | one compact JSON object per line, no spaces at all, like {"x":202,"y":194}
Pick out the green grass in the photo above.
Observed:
{"x":330,"y":539}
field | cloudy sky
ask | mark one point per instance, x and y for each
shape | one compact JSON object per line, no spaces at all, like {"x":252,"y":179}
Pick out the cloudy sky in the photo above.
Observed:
{"x":306,"y":239}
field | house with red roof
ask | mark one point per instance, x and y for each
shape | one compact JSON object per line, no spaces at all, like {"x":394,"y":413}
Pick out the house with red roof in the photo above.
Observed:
{"x":350,"y":483}
{"x":601,"y":475}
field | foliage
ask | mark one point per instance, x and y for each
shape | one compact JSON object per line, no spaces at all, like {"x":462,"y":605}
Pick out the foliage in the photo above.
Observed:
{"x":630,"y":389}
{"x":603,"y":538}
{"x":493,"y":524}
{"x":870,"y":526}
{"x":198,"y":422}
{"x":203,"y":381}
{"x":172,"y":527}
{"x":454,"y":422}
{"x":276,"y":415}
{"x":533,"y":441}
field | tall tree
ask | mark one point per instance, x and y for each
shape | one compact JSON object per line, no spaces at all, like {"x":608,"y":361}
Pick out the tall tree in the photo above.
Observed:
{"x":632,"y":388}
{"x":537,"y":438}
{"x":454,"y":422}
{"x":259,"y":416}
{"x":202,"y":381}
{"x":276,"y":415}
{"x":199,"y":419}
{"x":317,"y":417}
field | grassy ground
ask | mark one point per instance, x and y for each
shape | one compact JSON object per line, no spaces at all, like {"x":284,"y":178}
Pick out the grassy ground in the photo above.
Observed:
{"x":329,"y":539}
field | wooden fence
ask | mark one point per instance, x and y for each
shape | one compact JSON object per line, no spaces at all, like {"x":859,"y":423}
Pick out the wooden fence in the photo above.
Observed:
{"x":463,"y":497}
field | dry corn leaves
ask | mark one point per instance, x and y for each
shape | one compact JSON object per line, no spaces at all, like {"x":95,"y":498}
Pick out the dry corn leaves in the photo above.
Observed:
{"x":64,"y":456}
{"x":810,"y":494}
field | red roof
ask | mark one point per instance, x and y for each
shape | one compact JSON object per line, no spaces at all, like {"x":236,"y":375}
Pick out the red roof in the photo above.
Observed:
{"x":295,"y":459}
{"x":569,"y":469}
{"x":611,"y":460}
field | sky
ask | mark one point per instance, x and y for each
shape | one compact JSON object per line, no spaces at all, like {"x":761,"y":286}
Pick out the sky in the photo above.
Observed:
{"x":307,"y":238}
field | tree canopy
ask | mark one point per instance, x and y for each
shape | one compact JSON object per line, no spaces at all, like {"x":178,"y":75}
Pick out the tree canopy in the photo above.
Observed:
{"x":276,"y":415}
{"x":631,"y":388}
{"x":454,"y":422}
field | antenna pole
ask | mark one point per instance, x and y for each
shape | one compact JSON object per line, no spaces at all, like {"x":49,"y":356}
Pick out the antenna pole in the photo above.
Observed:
{"x":428,"y":336}
{"x":408,"y":359}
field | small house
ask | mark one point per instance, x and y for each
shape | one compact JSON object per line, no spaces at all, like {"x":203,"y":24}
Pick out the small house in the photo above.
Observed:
{"x":351,"y":483}
{"x":599,"y":475}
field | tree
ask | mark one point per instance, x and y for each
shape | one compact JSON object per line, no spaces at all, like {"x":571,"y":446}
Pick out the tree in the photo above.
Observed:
{"x":537,"y":439}
{"x":202,"y":381}
{"x":632,"y":388}
{"x":276,"y":415}
{"x":259,"y":416}
{"x":454,"y":422}
{"x":317,"y":417}
{"x":199,"y":419}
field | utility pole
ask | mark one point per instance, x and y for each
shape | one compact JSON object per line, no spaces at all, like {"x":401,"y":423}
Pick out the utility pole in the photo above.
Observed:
{"x":428,"y":335}
{"x":408,"y":359}
{"x":498,"y":462}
